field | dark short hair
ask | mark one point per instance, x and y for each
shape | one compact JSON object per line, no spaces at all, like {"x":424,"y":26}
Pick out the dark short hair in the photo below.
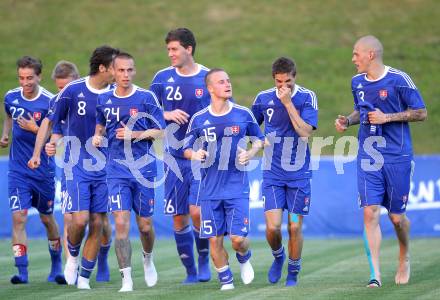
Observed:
{"x":31,"y":63}
{"x":210,"y":72}
{"x":184,"y":36}
{"x":102,"y":56}
{"x":65,"y":69}
{"x":283,"y":65}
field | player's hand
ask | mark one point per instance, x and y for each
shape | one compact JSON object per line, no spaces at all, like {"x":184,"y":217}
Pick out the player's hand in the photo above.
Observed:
{"x":341,"y":123}
{"x":97,"y":141}
{"x":50,"y":148}
{"x":34,"y":162}
{"x":285,"y":95}
{"x":124,"y":133}
{"x":243,"y":156}
{"x":4,"y":141}
{"x":29,"y":125}
{"x":377,"y":117}
{"x":199,"y":155}
{"x":178,"y":116}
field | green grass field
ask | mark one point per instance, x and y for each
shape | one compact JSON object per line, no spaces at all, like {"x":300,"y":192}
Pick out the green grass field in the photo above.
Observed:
{"x":244,"y":37}
{"x":332,"y":269}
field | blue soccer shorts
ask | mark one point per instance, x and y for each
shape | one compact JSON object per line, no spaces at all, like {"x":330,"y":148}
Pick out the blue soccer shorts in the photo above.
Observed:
{"x":293,"y":195}
{"x":26,"y":192}
{"x":179,"y":195}
{"x":128,"y":194}
{"x":86,"y":194}
{"x":388,"y":187}
{"x":227,"y":216}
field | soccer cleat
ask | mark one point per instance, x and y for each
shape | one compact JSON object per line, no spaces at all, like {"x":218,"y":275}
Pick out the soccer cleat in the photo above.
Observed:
{"x":292,"y":280}
{"x":150,"y":273}
{"x":60,"y":279}
{"x":83,"y":283}
{"x":126,"y":287}
{"x":204,"y":273}
{"x":71,"y":270}
{"x":17,"y":279}
{"x":190,"y":279}
{"x":276,"y":269}
{"x":227,"y":286}
{"x":374,"y":283}
{"x":246,"y":272}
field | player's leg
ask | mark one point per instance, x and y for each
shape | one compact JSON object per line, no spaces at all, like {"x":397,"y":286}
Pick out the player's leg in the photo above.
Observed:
{"x":98,"y":206}
{"x":221,"y":264}
{"x":398,"y":178}
{"x":103,"y":271}
{"x":372,"y":193}
{"x":373,"y":235}
{"x":67,"y":219}
{"x":176,"y":204}
{"x":55,"y":248}
{"x":19,"y":203}
{"x":19,"y":246}
{"x":237,"y":225}
{"x":43,"y":195}
{"x":274,"y":203}
{"x":123,"y":248}
{"x":298,"y":195}
{"x":202,"y":245}
{"x":294,"y":227}
{"x":143,"y":206}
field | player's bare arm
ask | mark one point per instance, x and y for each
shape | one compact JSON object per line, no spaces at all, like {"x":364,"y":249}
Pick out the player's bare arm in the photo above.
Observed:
{"x":343,"y":122}
{"x":124,"y":133}
{"x":51,"y":146}
{"x":7,"y":125}
{"x":42,"y":136}
{"x":245,"y":155}
{"x":99,"y":133}
{"x":29,"y":125}
{"x":199,"y":155}
{"x":302,"y":128}
{"x":178,"y":116}
{"x":409,"y":115}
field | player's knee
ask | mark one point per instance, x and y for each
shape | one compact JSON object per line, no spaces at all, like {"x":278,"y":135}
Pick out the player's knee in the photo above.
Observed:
{"x":294,"y":228}
{"x":397,"y":220}
{"x":79,"y":223}
{"x":19,"y":219}
{"x":273,"y":228}
{"x":237,"y":242}
{"x":47,"y":220}
{"x":145,"y":228}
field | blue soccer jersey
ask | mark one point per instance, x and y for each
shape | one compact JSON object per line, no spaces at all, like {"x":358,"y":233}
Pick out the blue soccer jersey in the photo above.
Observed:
{"x":221,"y":175}
{"x":76,"y":106}
{"x":23,"y":141}
{"x":111,"y":111}
{"x":285,"y":158}
{"x":184,"y":92}
{"x":393,"y":92}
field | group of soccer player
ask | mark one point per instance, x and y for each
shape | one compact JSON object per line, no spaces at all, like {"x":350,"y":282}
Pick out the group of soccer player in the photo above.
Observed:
{"x":108,"y":126}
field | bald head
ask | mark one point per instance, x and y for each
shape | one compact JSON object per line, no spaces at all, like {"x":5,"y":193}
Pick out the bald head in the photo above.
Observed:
{"x":371,"y":44}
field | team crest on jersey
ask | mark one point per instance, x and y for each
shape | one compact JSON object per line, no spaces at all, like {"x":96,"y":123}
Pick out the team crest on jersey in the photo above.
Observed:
{"x":151,"y":202}
{"x":133,"y":112}
{"x":37,"y":116}
{"x":199,"y":93}
{"x":404,"y":198}
{"x":306,"y":201}
{"x":246,"y":221}
{"x":383,"y":94}
{"x":235,"y":129}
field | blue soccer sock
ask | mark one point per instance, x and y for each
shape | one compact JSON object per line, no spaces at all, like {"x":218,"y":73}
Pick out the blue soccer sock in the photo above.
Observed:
{"x":87,"y":267}
{"x":21,"y":262}
{"x":73,"y":249}
{"x":276,"y":269}
{"x":225,"y":275}
{"x":292,"y":271}
{"x":185,"y":247}
{"x":55,"y":250}
{"x":243,"y":258}
{"x":204,"y":272}
{"x":103,"y":272}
